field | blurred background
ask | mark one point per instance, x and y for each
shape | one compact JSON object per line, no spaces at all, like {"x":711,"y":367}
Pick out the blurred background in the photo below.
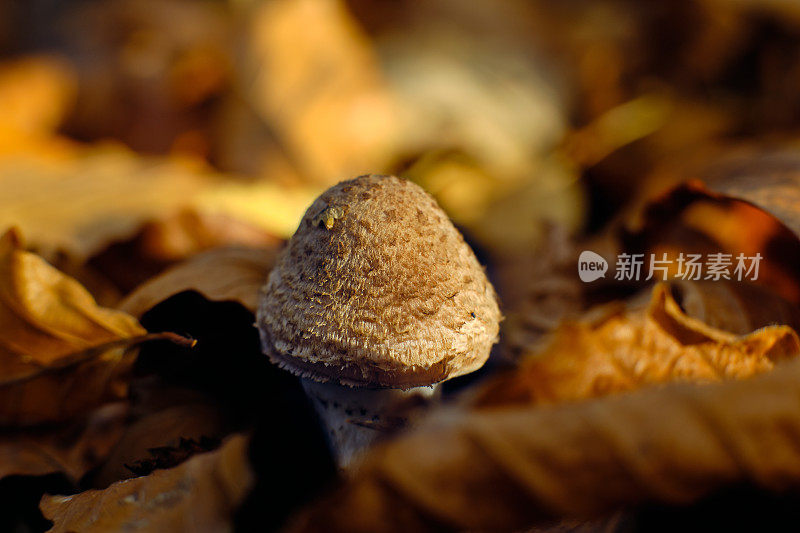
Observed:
{"x":517,"y":115}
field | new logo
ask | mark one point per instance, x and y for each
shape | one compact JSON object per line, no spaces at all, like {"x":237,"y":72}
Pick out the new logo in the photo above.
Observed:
{"x":591,"y":266}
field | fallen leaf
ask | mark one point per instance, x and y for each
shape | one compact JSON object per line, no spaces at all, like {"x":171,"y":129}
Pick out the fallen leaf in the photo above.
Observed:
{"x":224,"y":274}
{"x":162,"y":457}
{"x":91,"y":198}
{"x":59,"y":351}
{"x":181,"y":235}
{"x":768,"y":179}
{"x":528,"y":465}
{"x":105,"y":292}
{"x":734,"y":306}
{"x":685,"y":219}
{"x":267,"y":204}
{"x":102,"y":194}
{"x":165,"y":427}
{"x":628,"y":349}
{"x":72,"y":449}
{"x":730,"y":224}
{"x":199,"y":495}
{"x":48,"y":315}
{"x":691,"y":219}
{"x":163,"y":242}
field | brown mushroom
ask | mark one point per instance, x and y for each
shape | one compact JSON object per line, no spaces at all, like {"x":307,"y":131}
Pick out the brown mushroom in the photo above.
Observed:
{"x":375,"y":297}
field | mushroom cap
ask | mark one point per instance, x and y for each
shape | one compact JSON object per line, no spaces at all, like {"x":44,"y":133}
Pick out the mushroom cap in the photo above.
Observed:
{"x":377,"y":288}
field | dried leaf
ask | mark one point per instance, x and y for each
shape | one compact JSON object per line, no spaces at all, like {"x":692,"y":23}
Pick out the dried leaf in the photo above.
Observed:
{"x":224,"y":274}
{"x":628,"y":349}
{"x":91,"y":198}
{"x":735,"y":307}
{"x":199,"y":495}
{"x":762,"y":177}
{"x":72,"y":449}
{"x":181,"y":235}
{"x":691,"y":219}
{"x":59,"y":351}
{"x":102,"y":194}
{"x":769,"y":180}
{"x":165,"y":427}
{"x":686,"y":219}
{"x":528,"y":465}
{"x":162,"y":457}
{"x":163,"y":242}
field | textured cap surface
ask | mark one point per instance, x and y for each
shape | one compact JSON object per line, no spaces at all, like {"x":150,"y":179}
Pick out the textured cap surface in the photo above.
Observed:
{"x":377,"y":288}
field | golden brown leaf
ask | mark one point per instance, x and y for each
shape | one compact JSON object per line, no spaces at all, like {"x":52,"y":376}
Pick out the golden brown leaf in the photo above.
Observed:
{"x":59,"y":351}
{"x":628,"y":349}
{"x":507,"y":469}
{"x":224,"y":274}
{"x":101,"y":194}
{"x":95,"y":196}
{"x":163,"y":242}
{"x":181,"y":235}
{"x":198,"y":495}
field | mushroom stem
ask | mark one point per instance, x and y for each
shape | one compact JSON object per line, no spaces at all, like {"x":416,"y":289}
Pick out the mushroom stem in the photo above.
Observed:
{"x":353,"y":416}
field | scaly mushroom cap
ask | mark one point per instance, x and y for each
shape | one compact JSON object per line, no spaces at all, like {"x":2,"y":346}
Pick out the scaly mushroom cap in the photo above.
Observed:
{"x":377,"y":288}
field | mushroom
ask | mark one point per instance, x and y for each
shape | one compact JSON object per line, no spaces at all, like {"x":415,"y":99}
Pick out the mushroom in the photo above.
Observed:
{"x":375,"y":298}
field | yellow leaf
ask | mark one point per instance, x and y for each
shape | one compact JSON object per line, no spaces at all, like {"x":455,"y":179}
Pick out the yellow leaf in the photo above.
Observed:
{"x":105,"y":193}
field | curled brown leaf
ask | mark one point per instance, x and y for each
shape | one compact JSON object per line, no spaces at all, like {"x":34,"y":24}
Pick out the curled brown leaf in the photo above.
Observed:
{"x":733,"y":306}
{"x":768,"y":179}
{"x":628,"y":349}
